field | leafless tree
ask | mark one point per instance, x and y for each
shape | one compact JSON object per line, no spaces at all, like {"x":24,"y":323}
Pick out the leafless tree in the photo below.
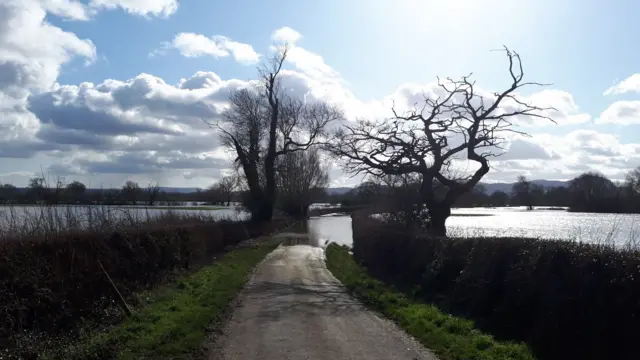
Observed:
{"x":522,"y":192}
{"x":461,"y":124}
{"x":300,"y":177}
{"x":152,"y":191}
{"x":222,"y":191}
{"x":632,"y":180}
{"x":131,"y":191}
{"x":266,"y":122}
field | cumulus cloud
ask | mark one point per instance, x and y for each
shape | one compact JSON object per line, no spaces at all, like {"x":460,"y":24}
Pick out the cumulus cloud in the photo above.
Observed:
{"x":622,"y":113}
{"x":163,"y":8}
{"x":630,"y":84}
{"x":126,"y":128}
{"x":197,"y":45}
{"x":141,"y":106}
{"x":572,"y":154}
{"x":70,"y":9}
{"x":286,"y":34}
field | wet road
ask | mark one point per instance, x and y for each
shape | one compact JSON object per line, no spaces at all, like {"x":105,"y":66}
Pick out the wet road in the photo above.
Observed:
{"x":293,"y":308}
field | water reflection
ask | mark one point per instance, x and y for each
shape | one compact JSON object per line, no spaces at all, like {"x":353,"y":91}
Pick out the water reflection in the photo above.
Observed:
{"x":334,"y":228}
{"x":614,"y":229}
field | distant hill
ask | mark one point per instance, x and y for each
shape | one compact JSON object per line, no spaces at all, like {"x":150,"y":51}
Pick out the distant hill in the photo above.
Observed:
{"x":338,"y":190}
{"x":506,"y":187}
{"x":179,"y":189}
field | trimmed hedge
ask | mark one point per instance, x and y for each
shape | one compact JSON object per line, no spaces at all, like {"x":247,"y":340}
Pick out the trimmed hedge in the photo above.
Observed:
{"x":51,"y":284}
{"x":566,"y":300}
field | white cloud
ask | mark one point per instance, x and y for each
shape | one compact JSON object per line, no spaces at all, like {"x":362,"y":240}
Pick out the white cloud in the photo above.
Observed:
{"x":32,"y":52}
{"x":574,"y":153}
{"x":286,"y":34}
{"x":622,"y":113}
{"x":196,"y":45}
{"x":630,"y":84}
{"x":146,"y":128}
{"x":163,"y":8}
{"x":70,"y":9}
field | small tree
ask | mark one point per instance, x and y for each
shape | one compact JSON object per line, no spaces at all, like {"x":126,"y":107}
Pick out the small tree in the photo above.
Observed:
{"x":37,"y":190}
{"x":522,"y":192}
{"x":152,"y":191}
{"x":499,"y":198}
{"x":75,"y":192}
{"x":460,"y":124}
{"x":593,"y":192}
{"x":632,"y":180}
{"x":8,"y":193}
{"x":300,"y":178}
{"x":131,"y":192}
{"x":226,"y":186}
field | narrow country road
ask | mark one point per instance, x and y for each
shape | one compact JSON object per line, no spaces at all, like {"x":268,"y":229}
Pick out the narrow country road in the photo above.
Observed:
{"x":293,"y":308}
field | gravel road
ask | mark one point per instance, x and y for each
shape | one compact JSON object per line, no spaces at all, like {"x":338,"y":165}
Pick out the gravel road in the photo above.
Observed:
{"x":293,"y":308}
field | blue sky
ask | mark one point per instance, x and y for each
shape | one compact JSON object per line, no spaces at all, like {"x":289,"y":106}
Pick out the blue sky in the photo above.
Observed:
{"x":374,"y":49}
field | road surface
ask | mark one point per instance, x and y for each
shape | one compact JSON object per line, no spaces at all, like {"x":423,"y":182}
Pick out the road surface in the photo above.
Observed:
{"x":293,"y":308}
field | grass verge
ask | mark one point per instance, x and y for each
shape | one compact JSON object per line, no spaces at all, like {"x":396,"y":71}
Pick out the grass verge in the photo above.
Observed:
{"x":450,"y":337}
{"x":173,"y":322}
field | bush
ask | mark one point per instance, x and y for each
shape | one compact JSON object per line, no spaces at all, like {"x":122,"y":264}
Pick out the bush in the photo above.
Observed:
{"x":567,"y":300}
{"x":52,"y":281}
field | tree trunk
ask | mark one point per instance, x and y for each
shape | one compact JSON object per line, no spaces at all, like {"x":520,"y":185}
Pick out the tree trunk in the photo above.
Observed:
{"x":438,"y":215}
{"x":265,"y":211}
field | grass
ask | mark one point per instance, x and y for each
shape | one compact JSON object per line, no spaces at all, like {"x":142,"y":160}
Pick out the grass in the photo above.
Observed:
{"x":450,"y":337}
{"x":173,"y":321}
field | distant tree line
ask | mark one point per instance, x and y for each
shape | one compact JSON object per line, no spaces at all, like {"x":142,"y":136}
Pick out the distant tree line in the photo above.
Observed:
{"x":40,"y":191}
{"x":589,"y":192}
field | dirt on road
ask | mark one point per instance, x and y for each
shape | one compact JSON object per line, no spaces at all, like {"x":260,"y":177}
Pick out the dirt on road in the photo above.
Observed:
{"x":293,"y":308}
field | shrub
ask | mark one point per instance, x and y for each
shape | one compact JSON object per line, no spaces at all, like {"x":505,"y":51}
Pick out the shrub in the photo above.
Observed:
{"x":567,"y":300}
{"x":51,"y":281}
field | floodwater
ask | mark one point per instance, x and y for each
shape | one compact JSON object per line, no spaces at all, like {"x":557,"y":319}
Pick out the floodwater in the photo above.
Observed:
{"x":614,"y":229}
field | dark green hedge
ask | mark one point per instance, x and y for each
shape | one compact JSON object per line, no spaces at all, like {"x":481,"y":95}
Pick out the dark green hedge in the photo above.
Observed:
{"x":566,"y":300}
{"x":51,"y":284}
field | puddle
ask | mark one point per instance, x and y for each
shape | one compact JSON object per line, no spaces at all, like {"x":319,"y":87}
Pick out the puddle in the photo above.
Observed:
{"x":320,"y":231}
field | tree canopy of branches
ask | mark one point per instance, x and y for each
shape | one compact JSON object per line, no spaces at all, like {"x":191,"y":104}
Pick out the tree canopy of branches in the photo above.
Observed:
{"x":131,"y":192}
{"x":75,"y":191}
{"x":300,"y":177}
{"x":460,"y":124}
{"x":523,"y":192}
{"x":632,"y":181}
{"x":593,"y":192}
{"x":265,"y":123}
{"x":152,"y":192}
{"x":222,"y":191}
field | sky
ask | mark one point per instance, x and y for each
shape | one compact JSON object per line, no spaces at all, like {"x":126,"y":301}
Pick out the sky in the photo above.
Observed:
{"x":105,"y":91}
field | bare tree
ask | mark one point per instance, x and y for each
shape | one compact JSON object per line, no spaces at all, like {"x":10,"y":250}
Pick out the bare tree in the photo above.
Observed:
{"x":460,"y":124}
{"x":222,"y":191}
{"x":300,"y":178}
{"x":265,"y":123}
{"x":75,"y":191}
{"x":227,"y":185}
{"x":152,"y":191}
{"x":37,"y":189}
{"x":632,"y":180}
{"x":522,"y":192}
{"x":130,"y":192}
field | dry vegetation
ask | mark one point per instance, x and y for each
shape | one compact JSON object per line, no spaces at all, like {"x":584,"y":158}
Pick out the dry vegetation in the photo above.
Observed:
{"x":58,"y":269}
